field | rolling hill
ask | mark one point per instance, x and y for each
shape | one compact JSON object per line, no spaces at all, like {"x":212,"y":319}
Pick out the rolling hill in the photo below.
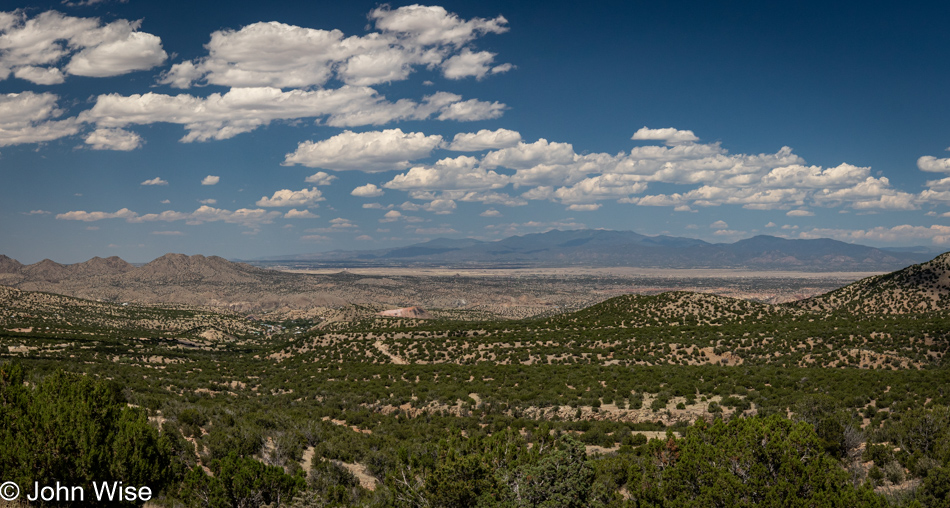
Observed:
{"x":923,"y":287}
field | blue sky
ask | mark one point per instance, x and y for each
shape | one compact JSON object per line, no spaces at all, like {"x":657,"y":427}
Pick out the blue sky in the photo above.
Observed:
{"x":139,"y":128}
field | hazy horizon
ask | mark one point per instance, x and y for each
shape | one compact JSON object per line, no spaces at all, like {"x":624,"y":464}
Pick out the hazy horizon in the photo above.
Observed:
{"x":288,"y":255}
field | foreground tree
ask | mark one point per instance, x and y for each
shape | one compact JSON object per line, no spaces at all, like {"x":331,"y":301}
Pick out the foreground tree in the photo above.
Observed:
{"x":746,"y":462}
{"x":239,"y":482}
{"x":77,"y":430}
{"x":498,"y":470}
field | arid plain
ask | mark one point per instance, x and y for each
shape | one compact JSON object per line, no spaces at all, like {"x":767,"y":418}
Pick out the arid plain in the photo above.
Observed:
{"x":462,"y":293}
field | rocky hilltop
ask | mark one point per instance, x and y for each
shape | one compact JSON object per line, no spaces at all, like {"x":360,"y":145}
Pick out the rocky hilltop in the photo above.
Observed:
{"x":99,"y":267}
{"x":46,"y":270}
{"x":8,"y":265}
{"x":181,"y":268}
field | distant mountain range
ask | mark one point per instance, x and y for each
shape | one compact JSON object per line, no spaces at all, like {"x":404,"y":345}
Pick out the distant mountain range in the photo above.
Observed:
{"x":604,"y":248}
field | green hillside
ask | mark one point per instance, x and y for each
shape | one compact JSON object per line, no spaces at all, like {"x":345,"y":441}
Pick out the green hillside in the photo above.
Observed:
{"x":732,"y":402}
{"x":921,"y":288}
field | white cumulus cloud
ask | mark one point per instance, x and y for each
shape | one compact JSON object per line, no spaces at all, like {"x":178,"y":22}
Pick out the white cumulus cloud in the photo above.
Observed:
{"x":469,"y":63}
{"x":815,"y":177}
{"x":249,"y":217}
{"x":122,"y":52}
{"x":113,"y":139}
{"x":371,"y":152}
{"x":391,"y":216}
{"x":584,"y":208}
{"x":287,"y":56}
{"x":264,"y":54}
{"x":669,"y":135}
{"x":933,"y":164}
{"x":460,"y":173}
{"x":609,"y":186}
{"x":29,"y":117}
{"x":300,"y":214}
{"x":320,"y":178}
{"x":434,"y":25}
{"x":528,"y":155}
{"x":241,"y":110}
{"x":210,"y":180}
{"x":287,"y":197}
{"x":484,"y":140}
{"x":472,"y":110}
{"x":440,"y":206}
{"x":81,"y":215}
{"x":46,"y":47}
{"x":367,"y":191}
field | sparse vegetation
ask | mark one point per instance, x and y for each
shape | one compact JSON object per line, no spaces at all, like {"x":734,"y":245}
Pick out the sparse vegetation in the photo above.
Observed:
{"x":670,"y":399}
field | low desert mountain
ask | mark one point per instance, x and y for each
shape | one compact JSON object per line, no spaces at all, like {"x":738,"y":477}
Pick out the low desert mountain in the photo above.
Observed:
{"x":46,"y":270}
{"x":98,"y":267}
{"x":198,"y":268}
